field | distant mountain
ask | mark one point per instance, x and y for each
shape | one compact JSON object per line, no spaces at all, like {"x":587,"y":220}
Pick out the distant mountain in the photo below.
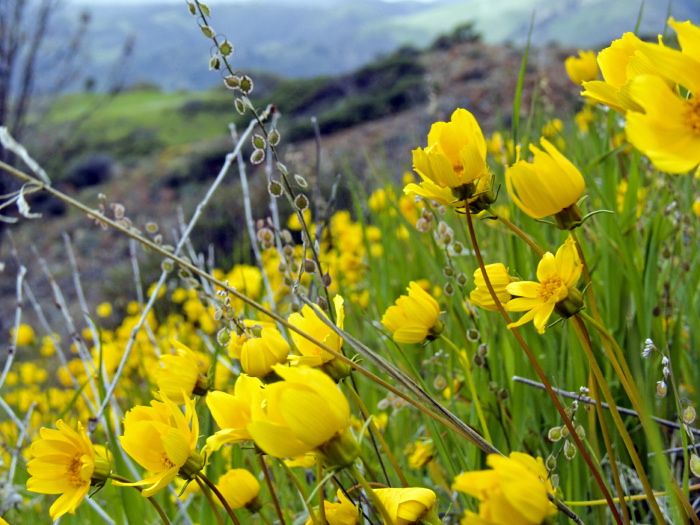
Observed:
{"x":306,"y":38}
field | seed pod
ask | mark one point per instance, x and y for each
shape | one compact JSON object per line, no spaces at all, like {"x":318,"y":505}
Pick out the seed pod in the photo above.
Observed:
{"x":275,"y":188}
{"x":215,"y":63}
{"x":226,"y":48}
{"x":688,"y":415}
{"x":569,"y":450}
{"x":551,"y":462}
{"x":246,"y":85}
{"x":240,"y":107}
{"x":232,"y":82}
{"x":554,"y":434}
{"x":223,"y":336}
{"x":257,"y":156}
{"x":301,"y":181}
{"x":694,"y":464}
{"x":301,"y":202}
{"x":259,"y":141}
{"x":208,"y":31}
{"x":273,"y":137}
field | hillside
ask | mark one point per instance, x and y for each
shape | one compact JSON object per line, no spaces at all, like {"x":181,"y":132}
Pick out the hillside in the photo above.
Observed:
{"x":174,"y":170}
{"x":335,"y":37}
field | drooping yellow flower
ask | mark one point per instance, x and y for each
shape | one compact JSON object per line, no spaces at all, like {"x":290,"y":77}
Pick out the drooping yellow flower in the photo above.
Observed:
{"x":414,"y":317}
{"x":513,"y":492}
{"x":259,"y":354}
{"x":232,"y":412}
{"x":408,"y":506}
{"x":547,"y":186}
{"x":619,"y":64}
{"x":423,"y":453}
{"x":308,"y":322}
{"x":181,"y":374}
{"x":304,"y":412}
{"x":162,"y":440}
{"x":25,"y":335}
{"x":343,"y":512}
{"x":667,"y":126}
{"x":500,"y":279}
{"x":557,"y":275}
{"x":583,"y":68}
{"x":240,"y":489}
{"x":455,"y":156}
{"x":65,"y":462}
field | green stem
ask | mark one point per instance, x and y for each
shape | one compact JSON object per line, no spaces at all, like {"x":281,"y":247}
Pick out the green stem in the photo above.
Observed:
{"x":152,"y":501}
{"x":543,"y":379}
{"x":388,"y":520}
{"x":375,"y":431}
{"x":466,"y":360}
{"x":210,"y":500}
{"x":321,"y":495}
{"x":219,"y":495}
{"x":582,"y":334}
{"x":300,"y":488}
{"x":517,"y":231}
{"x":271,"y":488}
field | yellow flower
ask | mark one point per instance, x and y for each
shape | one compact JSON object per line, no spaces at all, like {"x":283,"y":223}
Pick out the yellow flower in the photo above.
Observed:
{"x":455,"y":156}
{"x":25,"y":335}
{"x":308,"y":322}
{"x":619,"y":64}
{"x":407,"y":506}
{"x":584,"y":119}
{"x":696,"y":207}
{"x":423,"y":453}
{"x":65,"y":462}
{"x":344,"y":512}
{"x":414,"y":317}
{"x":546,"y":186}
{"x":500,"y":279}
{"x":239,"y":488}
{"x":232,"y":412}
{"x":667,"y":127}
{"x":552,"y":128}
{"x":260,"y":354}
{"x":513,"y":492}
{"x":304,"y":412}
{"x":557,"y":275}
{"x":293,"y":221}
{"x":583,"y":68}
{"x":180,"y":375}
{"x":104,"y":310}
{"x":162,"y":440}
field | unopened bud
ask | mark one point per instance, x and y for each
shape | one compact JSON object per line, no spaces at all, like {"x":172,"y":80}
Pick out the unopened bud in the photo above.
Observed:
{"x":661,"y":388}
{"x":688,"y":415}
{"x":301,"y":181}
{"x":326,"y":280}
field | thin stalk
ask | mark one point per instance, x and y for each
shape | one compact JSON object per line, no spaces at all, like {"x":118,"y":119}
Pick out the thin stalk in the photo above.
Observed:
{"x":465,"y":360}
{"x":321,"y":495}
{"x":219,"y":495}
{"x":271,"y":488}
{"x":300,"y":488}
{"x":517,"y":231}
{"x":152,"y":500}
{"x":210,"y":500}
{"x":636,"y":497}
{"x":543,"y":378}
{"x":375,"y":431}
{"x":388,"y":520}
{"x":582,"y":334}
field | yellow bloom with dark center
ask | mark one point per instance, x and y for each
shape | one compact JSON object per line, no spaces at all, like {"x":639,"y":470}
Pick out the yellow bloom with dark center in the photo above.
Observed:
{"x":233,"y":412}
{"x":414,"y":317}
{"x":500,"y":279}
{"x":65,"y":462}
{"x":304,"y":412}
{"x":513,"y":492}
{"x":667,"y":126}
{"x":455,"y":156}
{"x":408,"y":506}
{"x":546,"y":186}
{"x":239,"y":488}
{"x":583,"y":68}
{"x":181,"y":374}
{"x":343,"y":512}
{"x":557,"y":275}
{"x":163,"y":440}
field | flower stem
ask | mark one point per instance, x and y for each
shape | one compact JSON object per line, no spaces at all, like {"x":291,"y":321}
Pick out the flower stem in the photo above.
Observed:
{"x":210,"y":500}
{"x":151,"y":500}
{"x":517,"y":231}
{"x":300,"y":488}
{"x":219,"y":495}
{"x":543,"y":379}
{"x":465,"y":360}
{"x":388,"y":520}
{"x":375,"y":431}
{"x":271,"y":488}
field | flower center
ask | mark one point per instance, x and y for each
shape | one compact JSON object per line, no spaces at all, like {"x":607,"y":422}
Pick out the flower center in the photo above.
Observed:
{"x":75,"y":470}
{"x":166,"y":461}
{"x":552,"y":286}
{"x":692,"y":115}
